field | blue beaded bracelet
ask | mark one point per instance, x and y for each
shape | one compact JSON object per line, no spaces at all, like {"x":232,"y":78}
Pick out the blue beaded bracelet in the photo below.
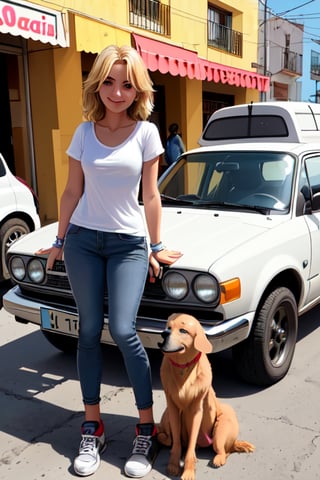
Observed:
{"x":157,"y":247}
{"x":58,"y":243}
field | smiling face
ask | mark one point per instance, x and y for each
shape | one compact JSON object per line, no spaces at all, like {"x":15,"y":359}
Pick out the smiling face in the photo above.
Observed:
{"x":184,"y":334}
{"x":178,"y":336}
{"x":116,"y":92}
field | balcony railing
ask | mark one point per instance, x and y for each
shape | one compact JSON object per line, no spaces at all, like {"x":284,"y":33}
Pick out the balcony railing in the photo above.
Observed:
{"x":225,"y":38}
{"x":291,"y":62}
{"x":150,"y":15}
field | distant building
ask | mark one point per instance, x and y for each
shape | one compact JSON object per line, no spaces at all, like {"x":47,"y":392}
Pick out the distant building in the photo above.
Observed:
{"x":280,"y":56}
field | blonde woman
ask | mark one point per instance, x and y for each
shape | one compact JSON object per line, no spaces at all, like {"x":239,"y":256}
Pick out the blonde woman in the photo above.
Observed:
{"x":102,"y":233}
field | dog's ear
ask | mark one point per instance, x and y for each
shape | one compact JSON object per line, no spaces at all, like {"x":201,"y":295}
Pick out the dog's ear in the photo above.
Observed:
{"x":201,"y":342}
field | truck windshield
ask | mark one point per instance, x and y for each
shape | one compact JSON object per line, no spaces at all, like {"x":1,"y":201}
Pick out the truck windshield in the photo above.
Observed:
{"x":246,"y":178}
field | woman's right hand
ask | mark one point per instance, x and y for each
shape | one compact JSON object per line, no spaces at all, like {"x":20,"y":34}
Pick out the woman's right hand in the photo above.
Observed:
{"x":53,"y":253}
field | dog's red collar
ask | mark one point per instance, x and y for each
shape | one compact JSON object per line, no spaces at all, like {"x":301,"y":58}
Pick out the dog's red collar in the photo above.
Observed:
{"x":185,"y":365}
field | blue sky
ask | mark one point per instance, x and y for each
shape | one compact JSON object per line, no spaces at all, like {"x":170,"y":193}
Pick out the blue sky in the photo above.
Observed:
{"x":307,"y":13}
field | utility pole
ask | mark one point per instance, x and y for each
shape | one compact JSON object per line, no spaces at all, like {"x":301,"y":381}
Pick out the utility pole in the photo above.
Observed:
{"x":265,"y":39}
{"x":265,"y":50}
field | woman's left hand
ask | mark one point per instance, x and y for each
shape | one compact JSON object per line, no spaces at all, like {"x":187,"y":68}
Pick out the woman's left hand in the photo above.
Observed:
{"x":167,"y":256}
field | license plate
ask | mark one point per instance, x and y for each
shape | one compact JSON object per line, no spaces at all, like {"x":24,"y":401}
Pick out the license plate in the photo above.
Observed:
{"x":59,"y":321}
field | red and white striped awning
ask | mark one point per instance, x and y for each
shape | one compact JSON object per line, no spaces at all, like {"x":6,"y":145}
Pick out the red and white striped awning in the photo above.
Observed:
{"x":175,"y":60}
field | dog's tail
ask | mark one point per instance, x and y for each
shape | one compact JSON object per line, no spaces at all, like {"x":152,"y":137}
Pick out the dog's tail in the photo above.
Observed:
{"x":240,"y":446}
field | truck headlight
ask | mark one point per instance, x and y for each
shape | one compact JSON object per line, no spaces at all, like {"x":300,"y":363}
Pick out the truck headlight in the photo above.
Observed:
{"x":17,"y":268}
{"x":175,"y":285}
{"x":206,"y":288}
{"x":36,"y":271}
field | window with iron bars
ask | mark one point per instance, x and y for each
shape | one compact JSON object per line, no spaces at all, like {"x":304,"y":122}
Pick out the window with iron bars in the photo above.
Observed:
{"x":220,"y":33}
{"x":151,"y":15}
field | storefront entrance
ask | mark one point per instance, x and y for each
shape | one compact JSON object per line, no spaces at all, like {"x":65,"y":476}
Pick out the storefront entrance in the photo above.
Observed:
{"x":14,"y":123}
{"x":6,"y":147}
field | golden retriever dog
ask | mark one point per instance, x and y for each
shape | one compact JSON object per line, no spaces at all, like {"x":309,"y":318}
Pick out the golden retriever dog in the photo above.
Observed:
{"x":194,"y":417}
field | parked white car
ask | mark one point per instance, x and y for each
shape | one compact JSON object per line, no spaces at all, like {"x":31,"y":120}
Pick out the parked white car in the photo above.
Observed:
{"x":244,"y":209}
{"x":18,"y":212}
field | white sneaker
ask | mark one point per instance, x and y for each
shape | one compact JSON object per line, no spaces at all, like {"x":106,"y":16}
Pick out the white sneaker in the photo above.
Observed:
{"x":145,"y":449}
{"x":92,"y":444}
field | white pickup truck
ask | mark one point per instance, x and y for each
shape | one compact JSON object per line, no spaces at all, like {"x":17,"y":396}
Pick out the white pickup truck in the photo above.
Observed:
{"x":244,"y":208}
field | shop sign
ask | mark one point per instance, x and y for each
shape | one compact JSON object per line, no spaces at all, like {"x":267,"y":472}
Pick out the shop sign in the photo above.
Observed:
{"x":32,"y":21}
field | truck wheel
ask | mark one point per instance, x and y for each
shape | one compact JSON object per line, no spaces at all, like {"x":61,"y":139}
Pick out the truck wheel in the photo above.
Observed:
{"x":61,"y":342}
{"x":265,"y":356}
{"x":10,"y":231}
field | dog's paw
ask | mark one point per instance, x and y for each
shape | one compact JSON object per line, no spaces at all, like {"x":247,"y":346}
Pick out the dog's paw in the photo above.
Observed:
{"x":188,"y":474}
{"x":219,"y":460}
{"x":173,"y":469}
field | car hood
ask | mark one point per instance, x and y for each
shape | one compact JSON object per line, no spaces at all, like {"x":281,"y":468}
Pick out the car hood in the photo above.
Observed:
{"x":32,"y":242}
{"x":202,"y":236}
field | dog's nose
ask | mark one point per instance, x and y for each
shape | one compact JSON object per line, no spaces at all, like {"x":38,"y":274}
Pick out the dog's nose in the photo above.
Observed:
{"x":165,"y":334}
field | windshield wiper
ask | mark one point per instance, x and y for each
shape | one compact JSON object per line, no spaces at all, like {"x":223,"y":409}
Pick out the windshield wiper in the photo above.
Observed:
{"x":180,"y":201}
{"x":235,"y":206}
{"x":211,"y":204}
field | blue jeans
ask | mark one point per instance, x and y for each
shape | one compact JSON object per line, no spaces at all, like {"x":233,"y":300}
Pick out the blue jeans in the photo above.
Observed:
{"x":93,"y":260}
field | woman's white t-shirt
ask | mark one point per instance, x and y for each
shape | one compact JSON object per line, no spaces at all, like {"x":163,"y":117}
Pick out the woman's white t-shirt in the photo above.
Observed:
{"x":111,"y":178}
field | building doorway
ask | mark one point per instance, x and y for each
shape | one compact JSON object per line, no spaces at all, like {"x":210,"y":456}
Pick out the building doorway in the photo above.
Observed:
{"x":6,"y":147}
{"x":15,"y":124}
{"x":214,"y":101}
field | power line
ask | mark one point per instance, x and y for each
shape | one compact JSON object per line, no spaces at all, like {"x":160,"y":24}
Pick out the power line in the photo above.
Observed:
{"x":295,"y":8}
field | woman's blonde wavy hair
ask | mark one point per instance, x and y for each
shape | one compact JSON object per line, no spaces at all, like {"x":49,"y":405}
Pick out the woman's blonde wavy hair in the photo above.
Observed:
{"x":93,"y":108}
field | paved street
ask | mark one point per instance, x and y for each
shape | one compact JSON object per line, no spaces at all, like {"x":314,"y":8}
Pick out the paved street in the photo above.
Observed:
{"x":41,"y":412}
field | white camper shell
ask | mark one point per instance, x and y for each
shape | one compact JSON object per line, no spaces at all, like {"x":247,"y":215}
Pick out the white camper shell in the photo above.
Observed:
{"x":289,"y":122}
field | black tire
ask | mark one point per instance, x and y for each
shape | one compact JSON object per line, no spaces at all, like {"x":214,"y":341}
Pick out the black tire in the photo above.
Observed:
{"x":10,"y":231}
{"x":265,"y":356}
{"x":61,"y":342}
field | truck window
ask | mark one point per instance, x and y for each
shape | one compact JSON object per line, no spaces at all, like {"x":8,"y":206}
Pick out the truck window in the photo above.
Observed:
{"x":246,"y":126}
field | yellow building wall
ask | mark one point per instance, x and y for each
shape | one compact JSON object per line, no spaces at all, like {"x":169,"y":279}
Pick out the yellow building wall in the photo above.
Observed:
{"x":68,"y":78}
{"x":114,"y":11}
{"x":93,"y":36}
{"x":44,"y":118}
{"x":56,"y":94}
{"x":192,"y":110}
